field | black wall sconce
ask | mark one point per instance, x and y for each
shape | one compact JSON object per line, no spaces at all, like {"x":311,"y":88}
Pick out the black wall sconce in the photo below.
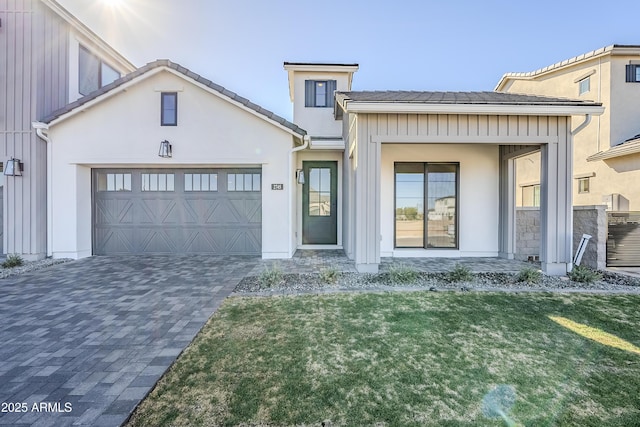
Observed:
{"x":165,"y":149}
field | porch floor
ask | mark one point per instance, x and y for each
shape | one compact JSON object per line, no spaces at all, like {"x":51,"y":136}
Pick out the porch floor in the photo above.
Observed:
{"x":314,"y":261}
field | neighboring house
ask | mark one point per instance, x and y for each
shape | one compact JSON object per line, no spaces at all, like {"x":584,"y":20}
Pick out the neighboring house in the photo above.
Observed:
{"x":163,"y":161}
{"x":606,"y":154}
{"x":47,"y":60}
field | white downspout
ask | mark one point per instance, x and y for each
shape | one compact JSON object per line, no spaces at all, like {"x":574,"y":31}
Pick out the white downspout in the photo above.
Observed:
{"x":292,"y":188}
{"x":40,"y":131}
{"x":587,"y":120}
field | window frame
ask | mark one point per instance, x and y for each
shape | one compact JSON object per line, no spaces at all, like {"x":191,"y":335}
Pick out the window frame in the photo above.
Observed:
{"x":581,"y":89}
{"x":174,"y":114}
{"x":84,"y":50}
{"x":310,"y":94}
{"x":425,"y":241}
{"x":632,"y":73}
{"x":535,"y":189}
{"x":584,"y":189}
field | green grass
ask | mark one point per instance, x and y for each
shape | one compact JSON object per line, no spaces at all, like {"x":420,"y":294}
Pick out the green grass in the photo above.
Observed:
{"x":405,"y":359}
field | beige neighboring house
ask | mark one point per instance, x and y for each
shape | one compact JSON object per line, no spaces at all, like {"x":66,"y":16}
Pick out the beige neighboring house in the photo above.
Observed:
{"x":606,"y":156}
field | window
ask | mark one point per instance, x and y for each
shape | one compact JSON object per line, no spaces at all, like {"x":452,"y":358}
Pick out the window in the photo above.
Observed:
{"x":426,"y":205}
{"x":93,"y":73}
{"x":158,"y":182}
{"x":584,"y":85}
{"x":583,"y":185}
{"x":243,"y":182}
{"x":633,"y":73}
{"x":114,"y":182}
{"x":531,"y":195}
{"x":169,"y":109}
{"x":319,"y":191}
{"x":319,"y":93}
{"x":200,"y":182}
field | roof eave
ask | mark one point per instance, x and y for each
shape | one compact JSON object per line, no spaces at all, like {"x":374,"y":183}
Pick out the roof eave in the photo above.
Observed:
{"x":621,"y":150}
{"x":483,"y":109}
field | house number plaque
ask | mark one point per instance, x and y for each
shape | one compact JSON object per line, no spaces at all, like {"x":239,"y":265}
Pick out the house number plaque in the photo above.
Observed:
{"x":277,"y":186}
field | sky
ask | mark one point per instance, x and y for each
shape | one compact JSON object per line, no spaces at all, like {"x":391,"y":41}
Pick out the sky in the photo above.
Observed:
{"x":452,"y":45}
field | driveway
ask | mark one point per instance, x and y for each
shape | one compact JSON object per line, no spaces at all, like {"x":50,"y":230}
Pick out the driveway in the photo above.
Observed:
{"x":83,"y":343}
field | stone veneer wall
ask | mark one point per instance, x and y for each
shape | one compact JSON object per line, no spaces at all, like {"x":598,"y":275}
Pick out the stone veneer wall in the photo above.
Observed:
{"x":590,"y":220}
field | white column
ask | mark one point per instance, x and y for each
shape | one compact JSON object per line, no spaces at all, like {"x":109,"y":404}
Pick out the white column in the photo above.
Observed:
{"x":556,"y":211}
{"x":507,"y":212}
{"x":367,"y":207}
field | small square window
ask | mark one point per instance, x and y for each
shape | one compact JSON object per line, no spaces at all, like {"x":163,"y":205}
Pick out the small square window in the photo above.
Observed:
{"x":584,"y":85}
{"x":583,"y":185}
{"x":169,"y":109}
{"x":319,"y":93}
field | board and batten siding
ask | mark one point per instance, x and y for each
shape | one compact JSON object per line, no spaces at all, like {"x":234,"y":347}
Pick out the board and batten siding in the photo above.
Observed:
{"x":515,"y":131}
{"x":34,"y":44}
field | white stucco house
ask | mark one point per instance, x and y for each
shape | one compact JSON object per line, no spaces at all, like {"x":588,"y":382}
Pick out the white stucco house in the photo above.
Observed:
{"x":164,"y":161}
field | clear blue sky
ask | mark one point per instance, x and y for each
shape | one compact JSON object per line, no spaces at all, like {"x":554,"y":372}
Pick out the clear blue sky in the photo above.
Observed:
{"x":409,"y":45}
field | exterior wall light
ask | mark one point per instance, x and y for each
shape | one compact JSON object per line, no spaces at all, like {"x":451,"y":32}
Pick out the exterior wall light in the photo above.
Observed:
{"x":14,"y":167}
{"x":300,"y":176}
{"x":165,"y":149}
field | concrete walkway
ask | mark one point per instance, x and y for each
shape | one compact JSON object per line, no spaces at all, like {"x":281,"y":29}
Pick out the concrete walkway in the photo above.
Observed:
{"x":87,"y":340}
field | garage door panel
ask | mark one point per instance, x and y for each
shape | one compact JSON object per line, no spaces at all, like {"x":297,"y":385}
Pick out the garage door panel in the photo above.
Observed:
{"x":178,"y":221}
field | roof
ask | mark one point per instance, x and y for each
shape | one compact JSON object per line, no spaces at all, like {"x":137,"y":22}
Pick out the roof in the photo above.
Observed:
{"x":462,"y":102}
{"x":158,"y":65}
{"x":503,"y":98}
{"x":86,"y":32}
{"x":614,"y":49}
{"x":630,"y":146}
{"x":322,"y":64}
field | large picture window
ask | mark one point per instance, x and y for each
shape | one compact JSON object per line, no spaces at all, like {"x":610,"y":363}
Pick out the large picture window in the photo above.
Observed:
{"x":426,"y":205}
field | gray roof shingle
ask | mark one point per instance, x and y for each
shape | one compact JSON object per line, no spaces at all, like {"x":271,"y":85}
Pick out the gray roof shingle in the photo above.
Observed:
{"x":187,"y":73}
{"x":427,"y":97}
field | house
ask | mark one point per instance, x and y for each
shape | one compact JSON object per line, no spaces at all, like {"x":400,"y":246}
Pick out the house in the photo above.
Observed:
{"x":163,"y":160}
{"x":47,"y":60}
{"x":606,"y":157}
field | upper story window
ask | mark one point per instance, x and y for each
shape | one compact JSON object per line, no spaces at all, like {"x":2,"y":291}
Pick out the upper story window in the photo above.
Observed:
{"x":93,"y":73}
{"x":633,"y":73}
{"x":584,"y":85}
{"x":169,"y":109}
{"x":319,"y":93}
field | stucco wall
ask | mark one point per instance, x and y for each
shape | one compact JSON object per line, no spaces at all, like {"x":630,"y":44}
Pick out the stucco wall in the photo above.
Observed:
{"x":125,"y":131}
{"x":478,"y":198}
{"x":591,"y":220}
{"x":618,"y":123}
{"x":317,"y":121}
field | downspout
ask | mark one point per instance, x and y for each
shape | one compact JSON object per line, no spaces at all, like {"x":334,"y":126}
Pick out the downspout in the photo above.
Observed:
{"x":41,"y":129}
{"x":292,"y":188}
{"x":587,"y":120}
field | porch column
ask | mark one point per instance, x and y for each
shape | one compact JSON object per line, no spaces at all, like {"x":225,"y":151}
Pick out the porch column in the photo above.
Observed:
{"x":367,"y":207}
{"x":556,"y":211}
{"x":507,"y":212}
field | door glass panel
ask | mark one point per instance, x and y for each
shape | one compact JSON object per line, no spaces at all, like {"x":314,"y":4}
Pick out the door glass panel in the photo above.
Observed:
{"x":319,"y":192}
{"x":410,"y":205}
{"x":441,"y":202}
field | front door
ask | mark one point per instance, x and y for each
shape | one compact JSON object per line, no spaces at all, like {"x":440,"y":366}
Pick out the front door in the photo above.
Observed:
{"x":320,"y":203}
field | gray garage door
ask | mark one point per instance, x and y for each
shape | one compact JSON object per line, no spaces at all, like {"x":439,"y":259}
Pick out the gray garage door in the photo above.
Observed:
{"x":170,"y":211}
{"x":623,"y":240}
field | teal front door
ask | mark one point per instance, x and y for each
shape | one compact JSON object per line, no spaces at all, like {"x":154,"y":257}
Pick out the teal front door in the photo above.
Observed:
{"x":320,"y":203}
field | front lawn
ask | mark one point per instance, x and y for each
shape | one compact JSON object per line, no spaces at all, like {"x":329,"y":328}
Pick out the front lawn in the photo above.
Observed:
{"x":402,"y":359}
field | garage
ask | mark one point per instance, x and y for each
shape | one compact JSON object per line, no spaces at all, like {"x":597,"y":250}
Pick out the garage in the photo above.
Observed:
{"x":177,"y":211}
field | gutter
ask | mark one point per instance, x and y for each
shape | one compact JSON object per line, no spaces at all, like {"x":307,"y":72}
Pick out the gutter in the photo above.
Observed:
{"x":292,"y":188}
{"x":41,"y":129}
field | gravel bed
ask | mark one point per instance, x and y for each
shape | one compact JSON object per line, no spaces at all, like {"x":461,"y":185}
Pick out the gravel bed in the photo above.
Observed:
{"x":303,"y":283}
{"x":31,"y":266}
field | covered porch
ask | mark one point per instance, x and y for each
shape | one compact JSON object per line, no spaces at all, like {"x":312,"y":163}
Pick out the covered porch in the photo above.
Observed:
{"x":474,"y":139}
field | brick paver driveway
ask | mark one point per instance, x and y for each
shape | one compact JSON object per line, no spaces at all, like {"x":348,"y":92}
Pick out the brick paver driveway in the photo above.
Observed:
{"x":86,"y":341}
